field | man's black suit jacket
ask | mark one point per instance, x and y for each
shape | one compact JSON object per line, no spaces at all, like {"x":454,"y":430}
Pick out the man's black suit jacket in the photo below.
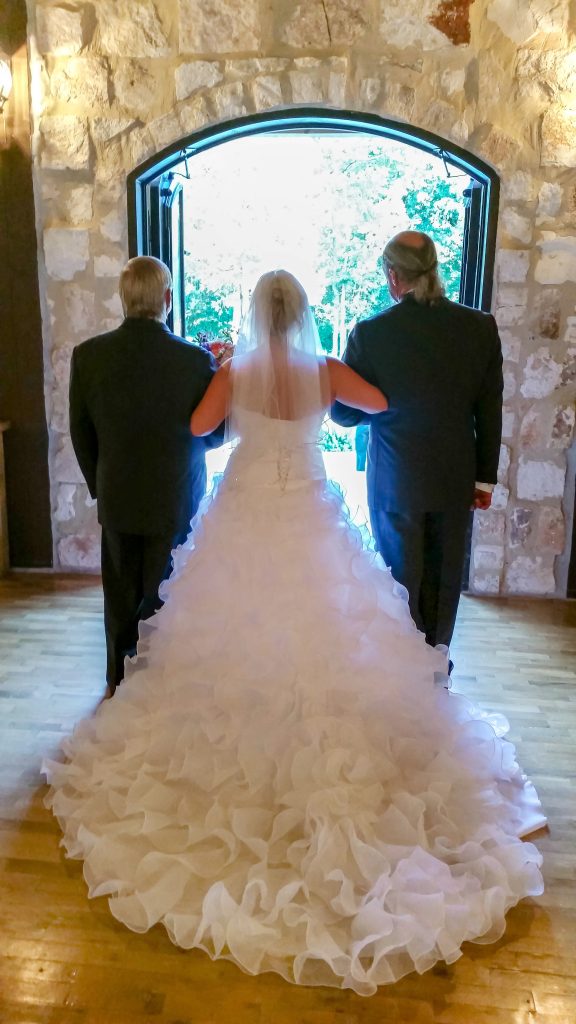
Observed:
{"x":441,"y":369}
{"x":132,"y":393}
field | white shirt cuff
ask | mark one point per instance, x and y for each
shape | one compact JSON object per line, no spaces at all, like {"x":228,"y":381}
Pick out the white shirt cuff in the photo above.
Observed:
{"x":484,"y":487}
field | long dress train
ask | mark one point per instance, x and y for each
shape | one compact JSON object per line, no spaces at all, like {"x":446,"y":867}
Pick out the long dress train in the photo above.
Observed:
{"x":278,"y":781}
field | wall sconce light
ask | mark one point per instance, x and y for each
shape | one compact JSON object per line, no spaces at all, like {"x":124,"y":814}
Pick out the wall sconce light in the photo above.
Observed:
{"x":5,"y":83}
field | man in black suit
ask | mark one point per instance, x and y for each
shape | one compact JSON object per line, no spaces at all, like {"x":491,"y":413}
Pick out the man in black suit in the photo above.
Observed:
{"x":132,"y":393}
{"x":434,"y":453}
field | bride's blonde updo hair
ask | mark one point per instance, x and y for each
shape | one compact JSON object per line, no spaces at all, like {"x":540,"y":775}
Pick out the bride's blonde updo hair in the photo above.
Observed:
{"x":285,"y":298}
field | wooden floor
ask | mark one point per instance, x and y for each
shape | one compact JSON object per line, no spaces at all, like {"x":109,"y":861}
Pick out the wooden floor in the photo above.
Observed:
{"x":65,"y":960}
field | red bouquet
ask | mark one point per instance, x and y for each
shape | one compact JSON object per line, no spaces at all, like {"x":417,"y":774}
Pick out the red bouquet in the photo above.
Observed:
{"x":221,"y":348}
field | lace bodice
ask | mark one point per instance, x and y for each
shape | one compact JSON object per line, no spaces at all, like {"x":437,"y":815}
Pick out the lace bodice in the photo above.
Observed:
{"x":275,"y":453}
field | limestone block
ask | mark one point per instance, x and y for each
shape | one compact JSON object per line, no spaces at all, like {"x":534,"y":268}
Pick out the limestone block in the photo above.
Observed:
{"x":194,"y":115}
{"x":330,"y":23}
{"x":130,"y":28}
{"x":81,"y":80}
{"x":229,"y":101}
{"x":112,"y":226}
{"x":369,"y":91}
{"x":554,"y":70}
{"x":81,"y":551}
{"x":519,"y":186}
{"x":107,"y":134}
{"x":307,"y":86}
{"x":59,"y":420}
{"x":59,"y":30}
{"x":165,"y":130}
{"x":542,"y":374}
{"x":516,"y":225}
{"x":452,"y":81}
{"x":513,"y":265}
{"x":508,"y":424}
{"x":460,"y":131}
{"x":267,"y":92}
{"x":511,"y":305}
{"x":251,"y":67}
{"x":440,"y":117}
{"x":510,"y":346}
{"x":532,"y":431}
{"x":530,"y":575}
{"x":551,"y":530}
{"x":114,"y":306}
{"x":399,"y":100}
{"x":200,"y":74}
{"x":66,"y":251}
{"x":557,"y":263}
{"x":78,"y":309}
{"x":60,"y":360}
{"x":539,"y":480}
{"x":520,"y":20}
{"x":219,"y":26}
{"x":66,"y":468}
{"x":503,"y":464}
{"x":485,"y":583}
{"x":521,"y":526}
{"x":73,"y":204}
{"x":406,"y":23}
{"x":509,"y":385}
{"x":489,"y":527}
{"x":65,"y":503}
{"x":500,"y":496}
{"x":563,"y":421}
{"x":64,"y":143}
{"x":559,"y":137}
{"x":488,"y":556}
{"x":103,"y":129}
{"x":136,"y":147}
{"x":109,"y":266}
{"x":547,"y":313}
{"x":336,"y":89}
{"x":549,"y":201}
{"x":547,"y":426}
{"x":496,"y":146}
{"x":136,"y":87}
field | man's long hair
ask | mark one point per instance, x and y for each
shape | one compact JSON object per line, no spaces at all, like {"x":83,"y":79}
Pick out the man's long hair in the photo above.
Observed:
{"x":416,"y":266}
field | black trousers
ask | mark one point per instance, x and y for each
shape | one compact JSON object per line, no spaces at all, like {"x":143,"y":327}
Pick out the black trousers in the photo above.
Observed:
{"x":133,"y":567}
{"x":425,"y":552}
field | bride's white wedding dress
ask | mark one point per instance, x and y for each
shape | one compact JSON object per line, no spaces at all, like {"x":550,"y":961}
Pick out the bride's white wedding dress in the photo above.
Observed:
{"x":278,"y":781}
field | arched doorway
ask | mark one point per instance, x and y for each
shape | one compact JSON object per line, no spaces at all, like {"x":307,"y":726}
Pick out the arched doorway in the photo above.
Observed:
{"x":179,"y":184}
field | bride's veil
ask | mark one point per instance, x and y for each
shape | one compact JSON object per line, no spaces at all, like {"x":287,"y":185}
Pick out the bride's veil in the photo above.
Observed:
{"x":277,"y":370}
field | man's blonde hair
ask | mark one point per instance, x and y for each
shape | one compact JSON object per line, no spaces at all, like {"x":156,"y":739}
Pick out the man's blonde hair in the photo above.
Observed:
{"x":144,"y":282}
{"x":416,"y":265}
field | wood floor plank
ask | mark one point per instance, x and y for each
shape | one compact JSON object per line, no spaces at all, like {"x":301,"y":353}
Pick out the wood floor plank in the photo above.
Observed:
{"x":65,"y":960}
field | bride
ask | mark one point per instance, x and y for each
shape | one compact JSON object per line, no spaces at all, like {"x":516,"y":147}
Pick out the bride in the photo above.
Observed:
{"x":278,"y":781}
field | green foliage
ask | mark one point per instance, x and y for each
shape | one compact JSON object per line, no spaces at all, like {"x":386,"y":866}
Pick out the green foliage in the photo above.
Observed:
{"x":334,"y":440}
{"x":208,"y":312}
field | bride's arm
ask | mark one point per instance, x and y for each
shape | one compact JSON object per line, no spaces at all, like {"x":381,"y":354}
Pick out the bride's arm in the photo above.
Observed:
{"x":213,"y":407}
{"x":347,"y":386}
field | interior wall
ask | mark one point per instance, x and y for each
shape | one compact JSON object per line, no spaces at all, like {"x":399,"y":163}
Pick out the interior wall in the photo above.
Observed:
{"x":21,"y":343}
{"x":115,"y":82}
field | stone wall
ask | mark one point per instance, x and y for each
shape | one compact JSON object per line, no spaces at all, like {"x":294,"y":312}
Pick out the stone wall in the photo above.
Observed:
{"x":114,"y":81}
